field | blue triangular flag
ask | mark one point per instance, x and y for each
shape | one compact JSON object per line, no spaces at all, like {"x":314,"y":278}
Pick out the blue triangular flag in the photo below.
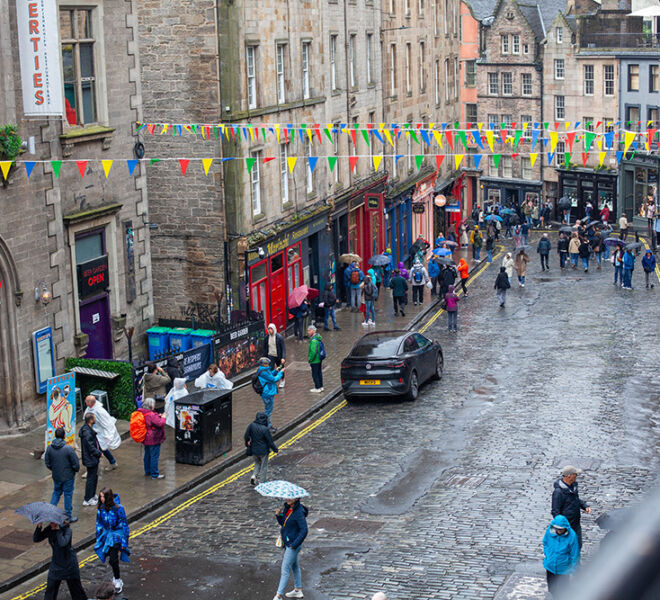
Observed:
{"x":227,"y":158}
{"x":535,"y":137}
{"x":619,"y":154}
{"x":609,"y":139}
{"x":397,"y":157}
{"x":29,"y":165}
{"x":425,"y":136}
{"x":378,"y":136}
{"x":545,"y":142}
{"x":312,"y":162}
{"x":131,"y":164}
{"x":477,"y":139}
{"x":477,"y":160}
{"x":550,"y":157}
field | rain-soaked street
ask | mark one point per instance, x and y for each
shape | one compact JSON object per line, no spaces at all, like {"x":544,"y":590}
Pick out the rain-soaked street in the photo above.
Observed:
{"x":447,"y":497}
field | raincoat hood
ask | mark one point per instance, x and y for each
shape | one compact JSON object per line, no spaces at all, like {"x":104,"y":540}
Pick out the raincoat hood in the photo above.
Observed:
{"x":560,"y":521}
{"x":450,"y":289}
{"x":273,"y":327}
{"x":261,"y":419}
{"x":179,"y":383}
{"x":172,"y":362}
{"x":502,"y":269}
{"x":462,"y":262}
{"x":401,"y":265}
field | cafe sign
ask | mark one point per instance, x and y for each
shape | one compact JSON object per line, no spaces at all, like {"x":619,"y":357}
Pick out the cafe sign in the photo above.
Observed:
{"x":285,"y":239}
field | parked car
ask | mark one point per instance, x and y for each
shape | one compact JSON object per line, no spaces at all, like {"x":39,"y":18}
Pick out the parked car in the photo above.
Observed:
{"x":390,"y":363}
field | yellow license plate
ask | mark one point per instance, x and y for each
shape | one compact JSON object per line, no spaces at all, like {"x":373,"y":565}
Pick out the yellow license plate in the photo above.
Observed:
{"x":369,"y":381}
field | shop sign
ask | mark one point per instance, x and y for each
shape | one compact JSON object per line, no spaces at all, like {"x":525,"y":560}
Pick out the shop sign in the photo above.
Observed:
{"x":93,"y":276}
{"x":419,"y":207}
{"x":373,"y":201}
{"x":440,"y":200}
{"x":287,"y":238}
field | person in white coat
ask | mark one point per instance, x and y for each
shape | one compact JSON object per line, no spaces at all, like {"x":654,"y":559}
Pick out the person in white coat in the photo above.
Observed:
{"x":106,"y":430}
{"x":507,"y":263}
{"x":214,"y":378}
{"x":178,"y":391}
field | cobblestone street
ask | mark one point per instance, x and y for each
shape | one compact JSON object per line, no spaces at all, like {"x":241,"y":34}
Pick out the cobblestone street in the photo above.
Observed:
{"x":447,"y":497}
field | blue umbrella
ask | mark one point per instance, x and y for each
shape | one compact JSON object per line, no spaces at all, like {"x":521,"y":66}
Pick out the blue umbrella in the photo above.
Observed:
{"x":442,"y":252}
{"x":507,"y":211}
{"x":494,"y":218}
{"x":380,"y":260}
{"x":42,"y":512}
{"x":280,"y":489}
{"x":612,"y":241}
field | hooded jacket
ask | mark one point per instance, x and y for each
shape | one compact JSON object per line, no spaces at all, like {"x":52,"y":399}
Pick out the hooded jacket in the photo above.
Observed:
{"x":64,"y":563}
{"x":562,"y":552}
{"x":584,"y":250}
{"x":418,"y":267}
{"x":448,"y":276}
{"x":628,"y":260}
{"x":507,"y":263}
{"x":155,"y":427}
{"x":258,"y":437}
{"x":61,"y":460}
{"x":520,"y":264}
{"x":217,"y":382}
{"x":279,"y":344}
{"x":178,"y":391}
{"x":369,"y":290}
{"x":347,"y":277}
{"x":544,"y":246}
{"x":566,"y":501}
{"x":402,"y":270}
{"x":451,"y":299}
{"x":399,"y":286}
{"x":574,"y":245}
{"x":648,"y":262}
{"x":293,"y":526}
{"x":173,"y":370}
{"x":463,"y":269}
{"x":562,"y":245}
{"x":90,"y":451}
{"x":155,"y":384}
{"x":269,"y":378}
{"x":111,"y":530}
{"x":502,"y":281}
{"x":314,"y":352}
{"x":434,"y":269}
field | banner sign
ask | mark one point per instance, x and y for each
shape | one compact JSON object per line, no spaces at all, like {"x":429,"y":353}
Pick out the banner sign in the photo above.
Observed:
{"x":39,"y":48}
{"x":241,"y":349}
{"x":61,"y":407}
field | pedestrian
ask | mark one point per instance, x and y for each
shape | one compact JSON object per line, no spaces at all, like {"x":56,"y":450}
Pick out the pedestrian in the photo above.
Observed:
{"x":623,"y":227}
{"x":106,"y":430}
{"x":369,"y":295}
{"x":418,"y":277}
{"x":617,"y":261}
{"x":388,"y":268}
{"x":490,"y":244}
{"x":353,"y":277}
{"x":587,"y":210}
{"x":562,"y":552}
{"x":268,"y":377}
{"x":501,"y":286}
{"x":566,"y":500}
{"x":463,"y":236}
{"x":61,"y":460}
{"x":517,"y":237}
{"x":464,"y":272}
{"x":507,"y":225}
{"x":507,"y":263}
{"x":524,"y":232}
{"x":535,"y":215}
{"x":605,"y":214}
{"x":329,"y":301}
{"x":155,"y":382}
{"x":448,"y":276}
{"x":403,"y":271}
{"x":596,"y":244}
{"x":213,"y":378}
{"x":574,"y":249}
{"x":476,"y":240}
{"x":112,"y":534}
{"x":275,"y":347}
{"x":543,"y":248}
{"x":520,"y":265}
{"x":562,"y":250}
{"x":177,"y":392}
{"x":292,"y":518}
{"x":451,"y":303}
{"x":648,"y":264}
{"x":434,"y":271}
{"x":155,"y":425}
{"x":628,"y":268}
{"x":315,"y":357}
{"x":173,"y":371}
{"x":376,"y":277}
{"x":657,"y":230}
{"x":649,"y":211}
{"x":259,"y":442}
{"x":528,"y":209}
{"x":63,"y":563}
{"x":90,"y":453}
{"x":399,"y":288}
{"x":299,"y":313}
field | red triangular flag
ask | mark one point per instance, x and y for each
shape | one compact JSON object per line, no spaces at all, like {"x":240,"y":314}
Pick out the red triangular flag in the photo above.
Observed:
{"x":318,"y":132}
{"x":438,"y":160}
{"x":585,"y":156}
{"x":503,"y":134}
{"x":450,"y":138}
{"x":151,"y":128}
{"x":570,"y":138}
{"x":268,"y":159}
{"x":82,"y":166}
{"x":353,"y":136}
{"x":650,"y":134}
{"x":352,"y":161}
{"x":515,"y":155}
{"x":598,"y":124}
{"x":184,"y":165}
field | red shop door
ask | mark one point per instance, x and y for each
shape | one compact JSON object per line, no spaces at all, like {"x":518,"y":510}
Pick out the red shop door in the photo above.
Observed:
{"x":278,"y":291}
{"x":259,"y":289}
{"x":373,"y":226}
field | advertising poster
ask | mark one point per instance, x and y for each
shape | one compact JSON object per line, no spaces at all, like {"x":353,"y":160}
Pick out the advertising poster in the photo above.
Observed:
{"x":61,"y":407}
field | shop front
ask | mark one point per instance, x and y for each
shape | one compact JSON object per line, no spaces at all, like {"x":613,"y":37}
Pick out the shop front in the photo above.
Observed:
{"x":422,"y":208}
{"x":511,"y":193}
{"x":639,"y":177}
{"x":583,"y":186}
{"x":399,"y":218}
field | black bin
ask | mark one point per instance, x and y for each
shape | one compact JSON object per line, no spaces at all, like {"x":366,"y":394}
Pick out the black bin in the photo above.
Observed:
{"x":203,"y":426}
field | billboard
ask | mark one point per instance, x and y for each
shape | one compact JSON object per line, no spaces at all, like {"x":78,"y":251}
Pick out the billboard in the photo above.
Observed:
{"x":61,"y":407}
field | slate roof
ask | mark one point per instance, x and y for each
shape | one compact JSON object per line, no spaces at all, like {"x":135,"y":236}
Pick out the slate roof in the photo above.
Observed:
{"x":482,"y":8}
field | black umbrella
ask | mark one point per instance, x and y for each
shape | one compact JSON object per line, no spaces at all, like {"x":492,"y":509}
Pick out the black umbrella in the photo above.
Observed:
{"x":634,"y":246}
{"x":380,"y":260}
{"x":566,"y":229}
{"x":42,"y":512}
{"x":444,"y":260}
{"x":514,"y":220}
{"x":613,"y":519}
{"x":564,"y":202}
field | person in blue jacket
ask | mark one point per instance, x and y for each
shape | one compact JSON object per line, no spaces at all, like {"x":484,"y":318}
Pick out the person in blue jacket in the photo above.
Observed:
{"x":352,"y":284}
{"x":268,"y":378}
{"x":561,"y":550}
{"x":387,"y":269}
{"x":292,"y":518}
{"x":112,"y":534}
{"x":434,"y":271}
{"x":628,"y":268}
{"x":648,"y":264}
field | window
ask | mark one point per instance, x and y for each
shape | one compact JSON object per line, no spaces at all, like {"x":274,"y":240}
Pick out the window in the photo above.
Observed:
{"x":435,"y":17}
{"x":422,"y":59}
{"x":559,"y":68}
{"x":437,"y":81}
{"x":525,"y":48}
{"x":608,"y":76}
{"x":492,"y":169}
{"x":393,"y":69}
{"x":471,"y":113}
{"x":633,"y":78}
{"x":408,"y":82}
{"x":455,"y":80}
{"x":281,"y":96}
{"x":255,"y":183}
{"x":632,"y":117}
{"x":370,"y":78}
{"x":409,"y":154}
{"x":309,"y":174}
{"x":305,"y":68}
{"x":333,"y":62}
{"x":526,"y":168}
{"x":284,"y":174}
{"x":406,"y":7}
{"x":493,"y":84}
{"x":395,"y":167}
{"x":526,"y":79}
{"x":446,"y":80}
{"x":560,"y":154}
{"x":493,"y":121}
{"x":78,"y":66}
{"x":420,"y":6}
{"x":351,"y":60}
{"x":505,"y":43}
{"x":516,"y":44}
{"x":470,"y":73}
{"x":251,"y":77}
{"x":507,"y":167}
{"x":447,"y":12}
{"x":653,"y":78}
{"x":507,"y":121}
{"x":588,"y":123}
{"x":559,"y":108}
{"x":652,"y":115}
{"x":507,"y":84}
{"x":392,"y":7}
{"x":608,"y":122}
{"x":559,"y":35}
{"x":588,"y":80}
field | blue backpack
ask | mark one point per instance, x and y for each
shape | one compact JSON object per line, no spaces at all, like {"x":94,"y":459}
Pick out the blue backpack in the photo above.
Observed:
{"x":322,"y":354}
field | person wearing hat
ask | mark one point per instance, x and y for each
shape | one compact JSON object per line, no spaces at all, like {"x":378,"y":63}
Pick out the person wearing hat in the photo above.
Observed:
{"x":566,"y":500}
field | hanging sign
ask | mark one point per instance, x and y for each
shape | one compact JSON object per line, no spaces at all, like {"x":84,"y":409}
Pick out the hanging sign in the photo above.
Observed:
{"x":373,"y":201}
{"x":93,"y":276}
{"x":419,"y":207}
{"x":440,"y":200}
{"x":39,"y":50}
{"x":44,"y":357}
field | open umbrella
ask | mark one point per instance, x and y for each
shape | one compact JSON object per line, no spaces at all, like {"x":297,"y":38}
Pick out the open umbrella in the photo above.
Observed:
{"x":349,"y":258}
{"x":612,"y":241}
{"x":613,"y":519}
{"x":507,"y":211}
{"x":564,"y":203}
{"x":566,"y":229}
{"x":298,"y":295}
{"x":521,"y":248}
{"x":494,"y":218}
{"x":380,"y":260}
{"x":450,"y":243}
{"x":42,"y":512}
{"x":442,"y":252}
{"x":444,"y":260}
{"x":280,"y":489}
{"x":515,"y":219}
{"x":634,"y":246}
{"x":468,"y":222}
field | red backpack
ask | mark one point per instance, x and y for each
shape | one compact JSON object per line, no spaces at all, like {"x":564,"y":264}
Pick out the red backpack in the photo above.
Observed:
{"x":138,"y":427}
{"x":355,"y":277}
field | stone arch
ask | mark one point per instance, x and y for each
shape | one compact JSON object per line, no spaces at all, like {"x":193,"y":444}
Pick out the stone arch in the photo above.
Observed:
{"x":11,"y":380}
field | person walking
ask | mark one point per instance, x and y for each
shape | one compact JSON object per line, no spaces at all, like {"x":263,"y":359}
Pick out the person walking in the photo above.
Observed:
{"x":155,"y":382}
{"x":106,"y":430}
{"x":623,"y":227}
{"x":399,"y":288}
{"x":517,"y":237}
{"x":528,"y":209}
{"x":434,"y":271}
{"x":292,"y":518}
{"x":275,"y":348}
{"x":329,"y":300}
{"x":605,"y":214}
{"x":369,"y":295}
{"x":388,"y":268}
{"x":213,"y":378}
{"x":464,"y":272}
{"x":463,"y":236}
{"x":490,"y":244}
{"x":155,"y":425}
{"x":574,"y":249}
{"x":418,"y":277}
{"x":617,"y":261}
{"x":562,"y":250}
{"x":376,"y":274}
{"x":566,"y":500}
{"x":112,"y":534}
{"x":61,"y":460}
{"x":299,"y":313}
{"x":476,"y":240}
{"x":543,"y":248}
{"x":648,"y":264}
{"x":63,"y":563}
{"x":649,"y":212}
{"x":520,"y":265}
{"x":507,"y":263}
{"x":353,"y":277}
{"x":90,"y":452}
{"x":524,"y":232}
{"x":268,"y":377}
{"x":315,"y":357}
{"x":258,"y":443}
{"x":628,"y":268}
{"x":561,"y":551}
{"x":501,"y":286}
{"x":451,"y":303}
{"x":596,"y":243}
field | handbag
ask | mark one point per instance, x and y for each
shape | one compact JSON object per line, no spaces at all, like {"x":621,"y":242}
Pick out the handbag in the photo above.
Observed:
{"x":279,"y":542}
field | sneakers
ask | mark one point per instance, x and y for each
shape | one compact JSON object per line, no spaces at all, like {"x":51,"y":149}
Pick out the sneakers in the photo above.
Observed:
{"x":281,"y":384}
{"x":337,"y":328}
{"x":253,"y":480}
{"x":119,"y":585}
{"x":316,"y":391}
{"x":294,"y":594}
{"x":84,"y":475}
{"x":91,"y":502}
{"x":277,"y":597}
{"x":365,"y":323}
{"x":161,"y":476}
{"x":111,"y":467}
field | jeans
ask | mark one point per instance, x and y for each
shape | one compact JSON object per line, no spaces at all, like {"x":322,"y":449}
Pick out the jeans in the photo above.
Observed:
{"x":490,"y":256}
{"x":66,"y":488}
{"x":525,"y":238}
{"x":585,"y":262}
{"x":530,"y":221}
{"x":574,"y":258}
{"x":544,"y":262}
{"x":418,"y":293}
{"x":434,"y":285}
{"x":386,"y":279}
{"x":317,"y":375}
{"x":554,"y":581}
{"x":599,"y":257}
{"x":606,"y":251}
{"x":501,"y":296}
{"x":627,"y":278}
{"x":647,"y":276}
{"x":329,"y":311}
{"x":268,"y":406}
{"x":260,"y":473}
{"x":521,"y":279}
{"x":476,"y":251}
{"x":463,"y":281}
{"x":111,"y":459}
{"x":398,"y":303}
{"x":452,"y":318}
{"x":355,"y":297}
{"x":618,"y":275}
{"x":298,"y":327}
{"x":562,"y":259}
{"x":151,"y":456}
{"x":507,"y":233}
{"x":113,"y":559}
{"x":91,"y":481}
{"x":370,"y":310}
{"x":75,"y":588}
{"x":290,"y":564}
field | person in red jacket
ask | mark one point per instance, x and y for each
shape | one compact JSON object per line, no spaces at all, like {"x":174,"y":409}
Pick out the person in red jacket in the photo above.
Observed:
{"x":155,"y":436}
{"x":464,"y":272}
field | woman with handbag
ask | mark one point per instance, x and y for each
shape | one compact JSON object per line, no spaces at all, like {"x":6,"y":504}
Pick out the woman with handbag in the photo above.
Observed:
{"x":292,"y":518}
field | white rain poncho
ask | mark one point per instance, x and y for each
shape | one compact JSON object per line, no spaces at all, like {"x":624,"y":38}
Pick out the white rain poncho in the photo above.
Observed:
{"x":218,"y":381}
{"x":178,"y":391}
{"x":106,"y":430}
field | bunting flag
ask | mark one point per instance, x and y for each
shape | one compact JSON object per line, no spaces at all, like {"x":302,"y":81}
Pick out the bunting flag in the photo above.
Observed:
{"x":628,"y":140}
{"x":312,"y":160}
{"x":585,"y":156}
{"x":619,"y":155}
{"x":551,"y":156}
{"x":476,"y":136}
{"x":650,"y":134}
{"x":332,"y":161}
{"x":183,"y":162}
{"x":57,"y":165}
{"x":249,"y":163}
{"x":532,"y":158}
{"x":601,"y":157}
{"x":425,"y":137}
{"x":438,"y":160}
{"x":291,"y":161}
{"x":609,"y":139}
{"x":419,"y":159}
{"x":82,"y":167}
{"x":516,"y":139}
{"x":567,"y":159}
{"x":376,"y":159}
{"x":131,"y":164}
{"x":438,"y":139}
{"x":267,"y":159}
{"x":458,"y":159}
{"x":352,"y":161}
{"x":570,"y":138}
{"x":535,"y":137}
{"x":477,"y":160}
{"x":490,"y":138}
{"x":463,"y":138}
{"x":589,"y":138}
{"x":5,"y":165}
{"x":496,"y":160}
{"x":206,"y":163}
{"x":389,"y":137}
{"x":28,"y":168}
{"x":449,"y":136}
{"x":107,"y":165}
{"x":554,"y":138}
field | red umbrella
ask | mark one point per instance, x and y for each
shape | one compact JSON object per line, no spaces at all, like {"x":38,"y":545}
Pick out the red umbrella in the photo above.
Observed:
{"x":300,"y":294}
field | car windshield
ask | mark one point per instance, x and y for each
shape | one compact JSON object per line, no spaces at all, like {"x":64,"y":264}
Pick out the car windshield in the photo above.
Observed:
{"x":376,"y":347}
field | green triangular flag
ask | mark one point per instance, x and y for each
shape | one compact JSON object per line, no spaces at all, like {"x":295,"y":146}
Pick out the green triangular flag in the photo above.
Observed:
{"x":588,"y":140}
{"x":413,"y":135}
{"x":154,"y":161}
{"x":496,"y":160}
{"x":419,"y":159}
{"x":567,"y":159}
{"x":516,"y":139}
{"x":365,"y":135}
{"x":332,"y":161}
{"x":328,"y":134}
{"x":194,"y":129}
{"x":249,"y":163}
{"x":461,"y":134}
{"x":57,"y":165}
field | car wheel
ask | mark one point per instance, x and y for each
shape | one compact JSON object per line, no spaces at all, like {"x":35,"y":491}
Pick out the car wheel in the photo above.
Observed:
{"x":439,"y":365}
{"x":413,"y":390}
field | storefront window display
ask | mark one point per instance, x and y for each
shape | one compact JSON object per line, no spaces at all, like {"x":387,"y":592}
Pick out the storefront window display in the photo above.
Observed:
{"x":294,"y":267}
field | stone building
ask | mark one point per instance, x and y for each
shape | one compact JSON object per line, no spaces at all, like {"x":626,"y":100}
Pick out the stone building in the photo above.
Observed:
{"x":75,"y":259}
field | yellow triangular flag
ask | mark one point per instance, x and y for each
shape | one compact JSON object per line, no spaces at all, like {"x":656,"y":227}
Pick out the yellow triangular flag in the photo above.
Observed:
{"x":376,"y":158}
{"x":107,"y":165}
{"x":554,"y":138}
{"x":489,"y":138}
{"x":291,"y":161}
{"x":277,"y":133}
{"x":629,"y":138}
{"x":207,"y":164}
{"x":599,"y":143}
{"x":438,"y":138}
{"x":601,"y":157}
{"x":480,"y":125}
{"x":389,"y":137}
{"x":532,"y":158}
{"x":165,"y":128}
{"x":5,"y":165}
{"x":458,"y":159}
{"x":309,"y":135}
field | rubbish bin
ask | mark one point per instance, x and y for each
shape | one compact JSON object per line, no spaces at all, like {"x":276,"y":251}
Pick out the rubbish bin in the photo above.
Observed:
{"x":159,"y":342}
{"x":200,"y":337}
{"x":202,"y":426}
{"x":180,"y":339}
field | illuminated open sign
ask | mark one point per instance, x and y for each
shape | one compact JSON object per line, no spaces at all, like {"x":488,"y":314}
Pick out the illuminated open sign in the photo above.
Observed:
{"x":93,"y":276}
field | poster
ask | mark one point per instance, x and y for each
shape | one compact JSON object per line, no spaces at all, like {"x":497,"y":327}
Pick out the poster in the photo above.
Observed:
{"x":61,"y":407}
{"x":44,"y":359}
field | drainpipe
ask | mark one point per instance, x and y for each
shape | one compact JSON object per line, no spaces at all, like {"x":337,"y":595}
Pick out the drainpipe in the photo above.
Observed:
{"x":348,"y":87}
